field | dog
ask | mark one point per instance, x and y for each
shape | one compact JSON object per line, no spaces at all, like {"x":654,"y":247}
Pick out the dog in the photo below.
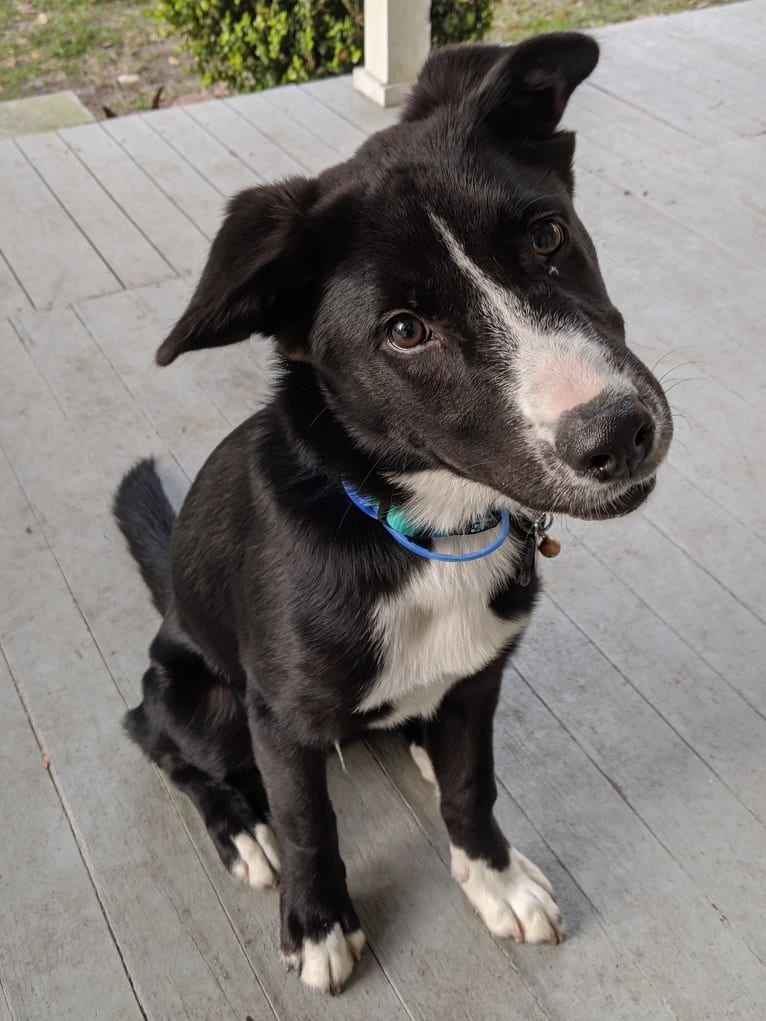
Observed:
{"x":360,"y":553}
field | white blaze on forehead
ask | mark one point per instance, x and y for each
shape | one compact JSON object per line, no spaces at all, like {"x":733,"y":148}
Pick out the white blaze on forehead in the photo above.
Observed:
{"x":551,"y":369}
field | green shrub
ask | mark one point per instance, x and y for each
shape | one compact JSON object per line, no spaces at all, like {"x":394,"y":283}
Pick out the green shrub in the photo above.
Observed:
{"x":254,"y":44}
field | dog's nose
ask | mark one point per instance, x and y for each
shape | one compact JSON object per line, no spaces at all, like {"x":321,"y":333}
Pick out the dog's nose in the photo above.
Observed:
{"x":607,"y":441}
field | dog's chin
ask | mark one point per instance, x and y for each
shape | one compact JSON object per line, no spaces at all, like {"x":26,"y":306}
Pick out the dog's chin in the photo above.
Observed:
{"x":603,"y":510}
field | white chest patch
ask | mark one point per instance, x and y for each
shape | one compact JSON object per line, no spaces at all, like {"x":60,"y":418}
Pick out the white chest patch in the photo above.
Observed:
{"x":440,"y":628}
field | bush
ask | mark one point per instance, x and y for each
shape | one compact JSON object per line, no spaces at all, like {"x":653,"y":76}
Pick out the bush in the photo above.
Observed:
{"x":254,"y":44}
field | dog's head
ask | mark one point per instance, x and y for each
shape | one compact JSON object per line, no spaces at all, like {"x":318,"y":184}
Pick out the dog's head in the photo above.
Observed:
{"x":448,"y":296}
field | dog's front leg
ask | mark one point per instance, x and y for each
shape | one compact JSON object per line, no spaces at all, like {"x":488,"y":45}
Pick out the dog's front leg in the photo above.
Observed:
{"x":320,"y":932}
{"x":510,"y":893}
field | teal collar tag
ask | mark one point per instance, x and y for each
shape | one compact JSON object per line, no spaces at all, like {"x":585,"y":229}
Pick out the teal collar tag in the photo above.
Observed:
{"x":396,"y":519}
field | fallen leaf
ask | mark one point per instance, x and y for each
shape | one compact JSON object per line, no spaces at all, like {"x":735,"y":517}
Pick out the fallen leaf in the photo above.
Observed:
{"x":9,"y":62}
{"x":157,"y":97}
{"x":41,"y":19}
{"x":173,"y":61}
{"x":46,"y":762}
{"x":126,"y":80}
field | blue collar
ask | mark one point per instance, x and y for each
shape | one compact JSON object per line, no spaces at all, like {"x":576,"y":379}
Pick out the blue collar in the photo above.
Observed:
{"x":396,"y":523}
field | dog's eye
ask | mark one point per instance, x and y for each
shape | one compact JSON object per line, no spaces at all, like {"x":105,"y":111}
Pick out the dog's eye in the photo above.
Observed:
{"x":406,"y":332}
{"x":547,"y":236}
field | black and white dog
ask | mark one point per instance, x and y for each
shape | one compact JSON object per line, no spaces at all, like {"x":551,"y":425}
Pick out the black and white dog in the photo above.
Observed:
{"x":453,"y":370}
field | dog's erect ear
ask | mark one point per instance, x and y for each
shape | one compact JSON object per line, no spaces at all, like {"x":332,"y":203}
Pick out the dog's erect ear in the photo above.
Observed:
{"x":519,"y":91}
{"x":448,"y":76}
{"x":526,"y":92}
{"x":260,"y":267}
{"x":556,"y":153}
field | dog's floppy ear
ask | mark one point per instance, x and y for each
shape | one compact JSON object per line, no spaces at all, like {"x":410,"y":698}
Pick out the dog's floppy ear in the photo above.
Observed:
{"x":260,"y":264}
{"x":526,"y":91}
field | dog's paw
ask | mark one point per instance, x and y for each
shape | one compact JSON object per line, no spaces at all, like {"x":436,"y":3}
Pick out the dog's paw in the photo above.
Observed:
{"x":517,"y":901}
{"x":326,"y":963}
{"x":257,"y":861}
{"x":421,"y":759}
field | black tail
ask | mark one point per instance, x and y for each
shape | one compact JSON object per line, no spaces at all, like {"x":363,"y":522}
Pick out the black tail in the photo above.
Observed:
{"x":146,"y":519}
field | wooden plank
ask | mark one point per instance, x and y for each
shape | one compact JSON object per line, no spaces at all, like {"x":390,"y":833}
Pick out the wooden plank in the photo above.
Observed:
{"x":339,"y":95}
{"x":341,"y":135}
{"x":713,"y":75}
{"x":305,"y":148}
{"x":171,"y":398}
{"x":218,"y":164}
{"x":685,"y":192}
{"x":49,"y":255}
{"x":730,"y":639}
{"x":150,"y":880}
{"x":628,"y":72}
{"x":647,"y":762}
{"x":700,"y":705}
{"x":237,"y":379}
{"x":683,"y":343}
{"x":646,"y":900}
{"x":5,"y":1010}
{"x":590,"y":974}
{"x":617,"y":119}
{"x":132,"y":259}
{"x":170,"y":231}
{"x":710,"y":537}
{"x":12,"y":295}
{"x":179,"y":180}
{"x":45,"y":890}
{"x":256,"y":151}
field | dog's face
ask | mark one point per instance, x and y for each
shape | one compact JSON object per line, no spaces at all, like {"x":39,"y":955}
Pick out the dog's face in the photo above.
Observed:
{"x":448,"y":295}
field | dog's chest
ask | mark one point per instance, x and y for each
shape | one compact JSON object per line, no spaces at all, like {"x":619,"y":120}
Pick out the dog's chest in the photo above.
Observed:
{"x":439,"y":629}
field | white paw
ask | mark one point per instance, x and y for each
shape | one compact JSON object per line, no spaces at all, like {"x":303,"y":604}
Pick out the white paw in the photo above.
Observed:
{"x":516,"y":902}
{"x":258,"y":858}
{"x":326,"y":964}
{"x":423,"y":762}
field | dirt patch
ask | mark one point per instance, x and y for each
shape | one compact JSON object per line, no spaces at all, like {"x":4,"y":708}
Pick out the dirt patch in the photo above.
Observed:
{"x":114,"y":54}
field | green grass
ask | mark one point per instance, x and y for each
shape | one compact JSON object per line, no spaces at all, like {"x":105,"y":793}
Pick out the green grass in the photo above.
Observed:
{"x":515,"y":19}
{"x":84,"y":45}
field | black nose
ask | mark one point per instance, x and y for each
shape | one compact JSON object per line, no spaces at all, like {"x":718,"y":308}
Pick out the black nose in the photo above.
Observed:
{"x":608,"y":440}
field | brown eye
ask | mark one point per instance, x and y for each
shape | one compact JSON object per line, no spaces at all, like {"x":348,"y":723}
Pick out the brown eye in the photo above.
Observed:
{"x":406,"y":332}
{"x":547,"y":236}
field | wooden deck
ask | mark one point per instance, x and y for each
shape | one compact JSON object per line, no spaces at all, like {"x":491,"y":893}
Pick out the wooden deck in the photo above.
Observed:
{"x":632,"y":736}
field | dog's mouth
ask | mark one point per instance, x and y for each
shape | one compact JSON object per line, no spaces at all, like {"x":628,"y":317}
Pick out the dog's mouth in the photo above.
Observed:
{"x":605,"y":509}
{"x":593,"y":505}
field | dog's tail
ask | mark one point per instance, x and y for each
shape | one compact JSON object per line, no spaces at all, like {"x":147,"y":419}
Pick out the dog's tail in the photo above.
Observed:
{"x":146,"y":519}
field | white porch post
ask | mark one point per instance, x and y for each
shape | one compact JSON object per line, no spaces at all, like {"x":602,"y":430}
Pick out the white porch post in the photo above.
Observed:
{"x":397,"y":39}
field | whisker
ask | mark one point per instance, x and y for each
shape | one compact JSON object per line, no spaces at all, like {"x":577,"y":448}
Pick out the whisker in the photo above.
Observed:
{"x":677,"y":382}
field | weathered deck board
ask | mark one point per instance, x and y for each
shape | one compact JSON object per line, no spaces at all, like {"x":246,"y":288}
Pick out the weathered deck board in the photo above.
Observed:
{"x":151,"y":882}
{"x":160,"y":220}
{"x":306,"y":148}
{"x":48,"y":253}
{"x":45,"y":889}
{"x":182,"y":183}
{"x":218,"y":163}
{"x":132,"y":259}
{"x":317,"y":118}
{"x":13,"y":298}
{"x":644,"y":897}
{"x":257,"y":152}
{"x":632,"y":727}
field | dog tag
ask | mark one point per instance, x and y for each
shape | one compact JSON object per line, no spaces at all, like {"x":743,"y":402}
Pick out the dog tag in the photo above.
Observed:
{"x":549,"y":547}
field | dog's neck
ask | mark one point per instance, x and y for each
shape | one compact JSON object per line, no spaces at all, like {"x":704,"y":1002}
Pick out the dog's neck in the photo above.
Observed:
{"x":432,"y":497}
